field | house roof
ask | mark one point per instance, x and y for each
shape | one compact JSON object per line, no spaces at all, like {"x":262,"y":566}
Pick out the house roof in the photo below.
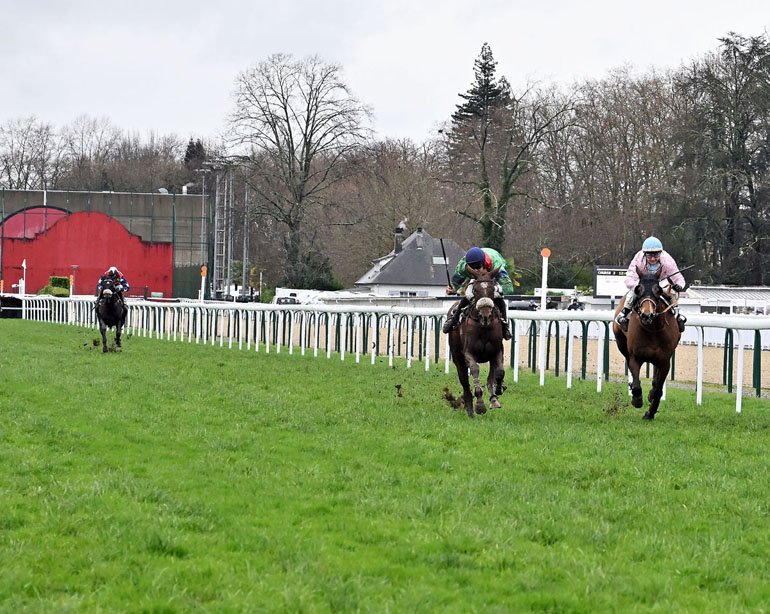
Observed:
{"x":729,"y":294}
{"x":419,"y":262}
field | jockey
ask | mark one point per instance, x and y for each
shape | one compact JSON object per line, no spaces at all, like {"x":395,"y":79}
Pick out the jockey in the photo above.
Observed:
{"x":116,"y":276}
{"x":650,"y":259}
{"x":477,"y":258}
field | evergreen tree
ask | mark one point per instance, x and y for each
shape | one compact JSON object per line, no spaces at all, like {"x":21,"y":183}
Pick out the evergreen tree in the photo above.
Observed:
{"x":493,"y":142}
{"x":195,"y":155}
{"x":485,"y":93}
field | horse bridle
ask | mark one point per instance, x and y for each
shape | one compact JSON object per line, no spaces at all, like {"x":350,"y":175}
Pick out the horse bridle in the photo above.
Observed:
{"x":112,"y":290}
{"x":647,"y":319}
{"x":474,"y":313}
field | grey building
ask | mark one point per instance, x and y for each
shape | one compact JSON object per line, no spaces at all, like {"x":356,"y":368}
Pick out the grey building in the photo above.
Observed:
{"x":415,"y":268}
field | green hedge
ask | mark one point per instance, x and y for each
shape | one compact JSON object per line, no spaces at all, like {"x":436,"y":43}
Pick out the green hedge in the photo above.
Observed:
{"x":54,"y":291}
{"x":59,"y":282}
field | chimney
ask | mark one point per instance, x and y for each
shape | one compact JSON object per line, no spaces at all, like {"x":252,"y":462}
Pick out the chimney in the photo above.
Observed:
{"x":419,"y":240}
{"x":398,"y":239}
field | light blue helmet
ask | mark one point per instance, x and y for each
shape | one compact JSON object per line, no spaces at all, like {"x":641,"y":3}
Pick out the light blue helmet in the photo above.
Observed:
{"x":652,"y":244}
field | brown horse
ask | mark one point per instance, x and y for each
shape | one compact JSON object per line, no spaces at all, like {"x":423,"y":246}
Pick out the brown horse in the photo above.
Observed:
{"x":478,"y":338}
{"x":652,"y":337}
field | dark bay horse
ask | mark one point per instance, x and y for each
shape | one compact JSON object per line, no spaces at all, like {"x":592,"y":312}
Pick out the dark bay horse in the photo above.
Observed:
{"x":478,"y":338}
{"x":111,"y":311}
{"x":652,"y":337}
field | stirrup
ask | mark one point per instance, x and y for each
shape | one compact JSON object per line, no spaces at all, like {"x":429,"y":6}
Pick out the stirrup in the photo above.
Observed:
{"x":622,"y":320}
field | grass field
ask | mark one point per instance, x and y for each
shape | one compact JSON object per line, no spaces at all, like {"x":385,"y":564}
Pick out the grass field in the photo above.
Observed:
{"x":175,"y":477}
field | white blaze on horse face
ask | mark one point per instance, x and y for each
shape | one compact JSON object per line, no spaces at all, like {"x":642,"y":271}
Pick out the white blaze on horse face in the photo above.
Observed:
{"x":484,"y":306}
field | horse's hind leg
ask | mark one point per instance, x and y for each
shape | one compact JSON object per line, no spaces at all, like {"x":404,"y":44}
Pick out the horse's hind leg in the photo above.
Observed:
{"x":117,"y":336}
{"x":659,"y":374}
{"x":500,"y":375}
{"x":634,"y":384}
{"x":495,"y":385}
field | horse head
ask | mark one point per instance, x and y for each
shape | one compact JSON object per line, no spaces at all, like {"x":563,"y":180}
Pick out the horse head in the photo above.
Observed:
{"x":648,"y":297}
{"x":482,"y":288}
{"x":110,"y":290}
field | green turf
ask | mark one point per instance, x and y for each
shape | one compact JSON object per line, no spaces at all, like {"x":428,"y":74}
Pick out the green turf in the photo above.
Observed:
{"x":179,"y":477}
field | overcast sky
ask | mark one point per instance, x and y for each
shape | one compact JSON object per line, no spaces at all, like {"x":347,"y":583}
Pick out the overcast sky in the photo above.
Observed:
{"x":169,"y":66}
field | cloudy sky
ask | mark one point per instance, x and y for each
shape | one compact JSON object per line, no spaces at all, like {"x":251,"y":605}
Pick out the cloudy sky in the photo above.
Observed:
{"x":169,"y":66}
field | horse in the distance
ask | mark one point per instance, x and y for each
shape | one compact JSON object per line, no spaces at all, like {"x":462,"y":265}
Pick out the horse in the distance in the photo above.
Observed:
{"x":111,"y":311}
{"x":652,"y":337}
{"x":478,"y":338}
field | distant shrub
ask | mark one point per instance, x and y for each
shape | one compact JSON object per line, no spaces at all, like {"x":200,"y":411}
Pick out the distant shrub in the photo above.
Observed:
{"x":59,"y":282}
{"x":54,"y":290}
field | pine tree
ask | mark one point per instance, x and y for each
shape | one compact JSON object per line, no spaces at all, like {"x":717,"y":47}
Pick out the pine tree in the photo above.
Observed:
{"x":485,"y":93}
{"x":195,"y":154}
{"x":494,"y":138}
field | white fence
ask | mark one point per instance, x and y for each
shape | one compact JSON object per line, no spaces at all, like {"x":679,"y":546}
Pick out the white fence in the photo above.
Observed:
{"x":371,"y":330}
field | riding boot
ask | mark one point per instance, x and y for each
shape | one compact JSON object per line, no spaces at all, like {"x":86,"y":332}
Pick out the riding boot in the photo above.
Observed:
{"x":680,"y":320}
{"x":451,"y":321}
{"x":501,"y":307}
{"x":454,"y":318}
{"x":506,"y":329}
{"x":622,"y":319}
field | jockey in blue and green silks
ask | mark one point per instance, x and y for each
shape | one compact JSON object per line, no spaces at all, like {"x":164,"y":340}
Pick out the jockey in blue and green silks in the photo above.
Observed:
{"x":488,"y":259}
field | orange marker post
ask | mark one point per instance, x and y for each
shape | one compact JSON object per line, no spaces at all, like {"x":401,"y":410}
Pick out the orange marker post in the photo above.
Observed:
{"x":204,"y":272}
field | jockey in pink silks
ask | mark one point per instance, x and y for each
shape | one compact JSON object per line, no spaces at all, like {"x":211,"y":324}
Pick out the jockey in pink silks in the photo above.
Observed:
{"x":650,"y":259}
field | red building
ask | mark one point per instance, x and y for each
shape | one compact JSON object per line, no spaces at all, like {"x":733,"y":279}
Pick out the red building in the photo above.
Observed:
{"x":52,"y":241}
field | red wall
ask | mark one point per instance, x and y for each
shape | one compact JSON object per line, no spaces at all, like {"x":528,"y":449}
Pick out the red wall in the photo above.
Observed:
{"x":93,"y":241}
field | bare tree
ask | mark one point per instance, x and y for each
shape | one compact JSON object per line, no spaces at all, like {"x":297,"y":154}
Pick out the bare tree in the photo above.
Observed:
{"x":396,"y":183}
{"x":31,"y":156}
{"x":300,"y":126}
{"x":726,"y":158}
{"x":91,"y":146}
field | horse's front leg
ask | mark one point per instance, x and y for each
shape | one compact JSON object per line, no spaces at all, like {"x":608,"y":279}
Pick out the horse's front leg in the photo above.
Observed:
{"x":634,"y":385}
{"x":462,"y":375}
{"x":478,"y":391}
{"x":103,"y":331}
{"x":659,"y":374}
{"x":117,"y":335}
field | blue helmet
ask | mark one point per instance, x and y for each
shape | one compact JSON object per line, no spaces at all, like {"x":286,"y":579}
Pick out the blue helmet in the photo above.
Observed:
{"x":475,"y":256}
{"x":652,"y":244}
